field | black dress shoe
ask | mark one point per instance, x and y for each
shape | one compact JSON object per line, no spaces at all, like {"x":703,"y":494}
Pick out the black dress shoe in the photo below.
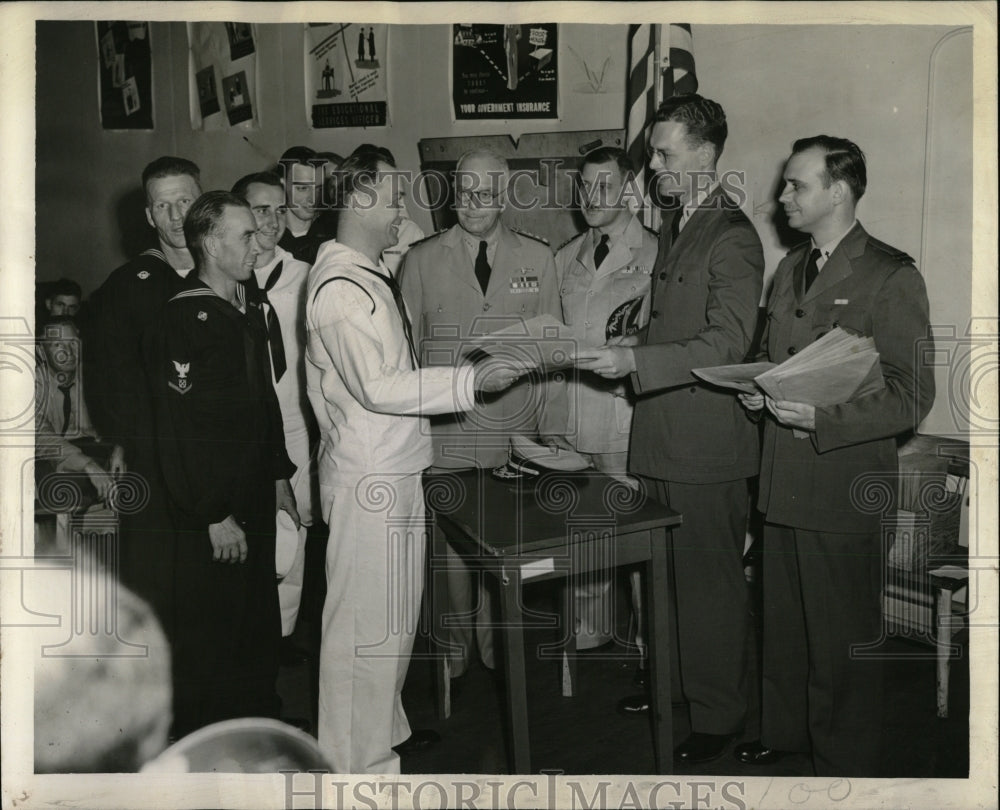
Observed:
{"x":631,"y":705}
{"x":756,"y":753}
{"x":639,"y":703}
{"x":701,"y":747}
{"x":419,"y":740}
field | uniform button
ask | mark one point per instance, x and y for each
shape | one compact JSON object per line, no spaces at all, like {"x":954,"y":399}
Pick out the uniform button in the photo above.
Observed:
{"x":693,"y":388}
{"x":663,"y":276}
{"x":590,"y":292}
{"x":680,"y":279}
{"x":799,"y":313}
{"x":654,"y":314}
{"x":836,"y":324}
{"x":486,"y":307}
{"x":791,"y":350}
{"x":586,"y":323}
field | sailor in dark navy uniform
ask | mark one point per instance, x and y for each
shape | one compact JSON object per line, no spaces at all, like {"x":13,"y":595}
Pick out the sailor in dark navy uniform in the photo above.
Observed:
{"x":113,"y":327}
{"x":224,"y":462}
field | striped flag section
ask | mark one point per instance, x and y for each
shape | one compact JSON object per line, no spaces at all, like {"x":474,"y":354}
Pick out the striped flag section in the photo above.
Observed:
{"x":657,"y":70}
{"x":677,"y":73}
{"x":641,"y":102}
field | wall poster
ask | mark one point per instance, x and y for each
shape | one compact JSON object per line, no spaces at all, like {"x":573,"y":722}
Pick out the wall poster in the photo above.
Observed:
{"x":125,"y":75}
{"x":504,"y":71}
{"x":223,"y":75}
{"x":345,"y":70}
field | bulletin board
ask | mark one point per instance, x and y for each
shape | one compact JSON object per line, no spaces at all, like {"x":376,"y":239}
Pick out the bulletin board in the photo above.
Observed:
{"x":544,"y":194}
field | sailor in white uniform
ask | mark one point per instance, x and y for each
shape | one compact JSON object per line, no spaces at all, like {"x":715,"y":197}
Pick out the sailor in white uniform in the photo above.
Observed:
{"x":371,"y":399}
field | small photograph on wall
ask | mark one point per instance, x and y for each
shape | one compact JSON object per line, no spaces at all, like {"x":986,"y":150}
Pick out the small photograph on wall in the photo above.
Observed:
{"x":130,"y":96}
{"x":108,"y":49}
{"x":208,"y":97}
{"x":222,"y":80}
{"x":240,"y":40}
{"x":504,"y":71}
{"x":118,"y":70}
{"x":234,"y":92}
{"x":346,"y":74}
{"x":125,"y":75}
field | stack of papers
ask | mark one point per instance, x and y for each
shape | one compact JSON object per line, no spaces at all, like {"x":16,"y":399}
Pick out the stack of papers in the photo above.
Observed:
{"x":836,"y":368}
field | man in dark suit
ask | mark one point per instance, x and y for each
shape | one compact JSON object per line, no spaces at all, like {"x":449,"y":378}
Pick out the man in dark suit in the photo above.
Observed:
{"x":822,"y":558}
{"x":691,"y":445}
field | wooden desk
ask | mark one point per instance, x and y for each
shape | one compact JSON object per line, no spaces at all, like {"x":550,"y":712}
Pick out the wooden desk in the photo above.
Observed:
{"x":559,"y":525}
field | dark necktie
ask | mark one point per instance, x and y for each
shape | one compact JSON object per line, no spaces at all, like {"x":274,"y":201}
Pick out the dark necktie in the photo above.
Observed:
{"x":67,"y":406}
{"x":812,"y":267}
{"x":601,"y":251}
{"x":274,"y":340}
{"x":482,"y":267}
{"x":675,"y":226}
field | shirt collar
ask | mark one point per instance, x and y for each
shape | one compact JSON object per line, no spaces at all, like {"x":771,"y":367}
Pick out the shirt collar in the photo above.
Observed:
{"x":472,"y":240}
{"x":696,"y":201}
{"x":54,"y":376}
{"x":614,"y":235}
{"x":264,"y":271}
{"x":827,"y":248}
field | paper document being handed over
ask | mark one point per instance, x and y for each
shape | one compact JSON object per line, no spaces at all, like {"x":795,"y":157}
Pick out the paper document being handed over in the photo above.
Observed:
{"x":544,"y":343}
{"x":836,"y":368}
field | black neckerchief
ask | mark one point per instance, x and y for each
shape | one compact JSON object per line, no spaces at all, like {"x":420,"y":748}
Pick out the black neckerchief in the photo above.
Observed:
{"x":397,"y":296}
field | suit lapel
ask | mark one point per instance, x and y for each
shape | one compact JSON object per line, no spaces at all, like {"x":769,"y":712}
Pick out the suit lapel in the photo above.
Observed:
{"x":838,"y":266}
{"x":585,"y":255}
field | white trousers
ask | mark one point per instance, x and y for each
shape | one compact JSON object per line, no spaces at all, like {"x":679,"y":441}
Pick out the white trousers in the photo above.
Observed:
{"x":290,"y":543}
{"x":374,"y":575}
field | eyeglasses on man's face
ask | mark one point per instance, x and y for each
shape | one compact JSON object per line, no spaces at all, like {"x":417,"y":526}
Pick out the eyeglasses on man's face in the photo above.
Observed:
{"x":482,"y":197}
{"x":652,"y":154}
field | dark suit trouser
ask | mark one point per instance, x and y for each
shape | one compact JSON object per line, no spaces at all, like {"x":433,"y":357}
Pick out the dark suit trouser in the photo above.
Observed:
{"x":147,"y":542}
{"x":712,"y":599}
{"x":821,"y":596}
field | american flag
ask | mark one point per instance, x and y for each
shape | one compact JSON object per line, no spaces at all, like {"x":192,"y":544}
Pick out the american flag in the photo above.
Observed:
{"x":657,"y":70}
{"x":677,"y":63}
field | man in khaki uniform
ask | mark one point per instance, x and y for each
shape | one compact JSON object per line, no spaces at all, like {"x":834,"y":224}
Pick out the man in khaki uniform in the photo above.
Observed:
{"x":604,"y":277}
{"x":476,"y":278}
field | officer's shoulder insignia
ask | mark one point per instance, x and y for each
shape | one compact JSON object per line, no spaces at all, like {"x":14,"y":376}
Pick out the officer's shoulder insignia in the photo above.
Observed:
{"x":894,"y":253}
{"x":179,"y":380}
{"x":428,"y":238}
{"x":202,"y":315}
{"x":534,"y":236}
{"x":572,"y":238}
{"x":142,"y":274}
